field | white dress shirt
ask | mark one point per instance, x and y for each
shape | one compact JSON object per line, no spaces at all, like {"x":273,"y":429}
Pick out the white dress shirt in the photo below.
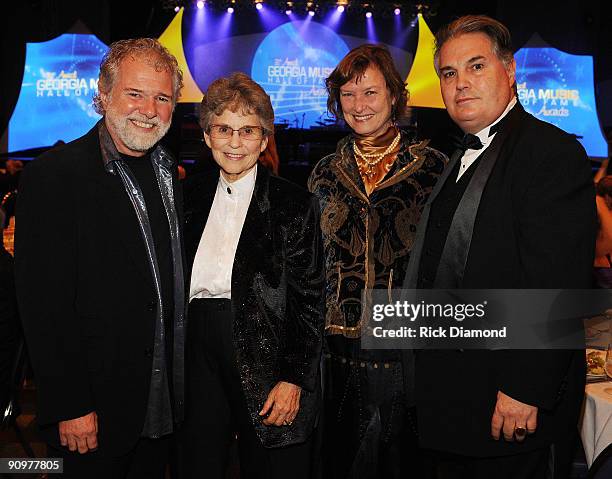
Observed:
{"x":211,"y":276}
{"x":470,"y":156}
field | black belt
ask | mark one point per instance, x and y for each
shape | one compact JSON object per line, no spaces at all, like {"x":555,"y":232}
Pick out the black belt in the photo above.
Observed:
{"x":210,"y":304}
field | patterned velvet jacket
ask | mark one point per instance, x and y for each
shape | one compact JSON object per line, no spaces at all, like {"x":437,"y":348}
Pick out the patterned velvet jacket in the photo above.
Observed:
{"x":367,"y":240}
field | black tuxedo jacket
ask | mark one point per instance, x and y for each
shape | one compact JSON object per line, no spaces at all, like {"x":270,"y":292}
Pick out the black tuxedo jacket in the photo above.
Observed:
{"x":277,"y":294}
{"x":526,"y":220}
{"x":85,"y":292}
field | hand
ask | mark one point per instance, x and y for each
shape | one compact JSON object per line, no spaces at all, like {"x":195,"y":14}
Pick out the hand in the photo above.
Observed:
{"x":510,"y":414}
{"x":80,"y":433}
{"x":283,"y":404}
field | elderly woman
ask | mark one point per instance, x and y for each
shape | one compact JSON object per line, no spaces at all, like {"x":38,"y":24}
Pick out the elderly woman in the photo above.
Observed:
{"x":371,"y":192}
{"x":255,"y":312}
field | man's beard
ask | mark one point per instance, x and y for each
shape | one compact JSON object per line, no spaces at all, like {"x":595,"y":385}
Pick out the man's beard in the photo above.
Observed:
{"x":131,"y":135}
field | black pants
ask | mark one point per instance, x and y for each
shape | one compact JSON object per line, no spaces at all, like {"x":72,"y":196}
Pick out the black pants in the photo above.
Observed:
{"x":369,"y":429}
{"x":215,"y":407}
{"x":147,"y":460}
{"x":529,"y":465}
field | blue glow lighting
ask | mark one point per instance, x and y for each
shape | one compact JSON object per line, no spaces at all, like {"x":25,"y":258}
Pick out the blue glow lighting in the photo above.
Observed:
{"x":288,"y":12}
{"x":200,"y":4}
{"x":557,"y":87}
{"x":371,"y":32}
{"x":59,"y":80}
{"x":311,"y":13}
{"x":397,"y":11}
{"x":230,"y":9}
{"x":333,"y":18}
{"x":292,"y":63}
{"x":258,"y":6}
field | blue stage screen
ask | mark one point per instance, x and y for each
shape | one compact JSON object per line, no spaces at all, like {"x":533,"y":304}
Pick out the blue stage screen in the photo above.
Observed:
{"x":59,"y":81}
{"x":291,"y":64}
{"x":557,"y":87}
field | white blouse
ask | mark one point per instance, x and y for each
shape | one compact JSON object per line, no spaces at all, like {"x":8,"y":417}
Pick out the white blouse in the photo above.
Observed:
{"x":211,"y":276}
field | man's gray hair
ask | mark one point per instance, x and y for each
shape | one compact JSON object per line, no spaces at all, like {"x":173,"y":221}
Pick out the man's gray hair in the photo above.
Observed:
{"x":148,"y":48}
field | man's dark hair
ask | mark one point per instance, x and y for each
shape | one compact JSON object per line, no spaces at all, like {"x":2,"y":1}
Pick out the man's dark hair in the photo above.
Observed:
{"x":496,"y":31}
{"x":354,"y":65}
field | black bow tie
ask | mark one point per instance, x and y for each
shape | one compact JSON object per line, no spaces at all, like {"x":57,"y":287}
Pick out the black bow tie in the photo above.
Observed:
{"x":468,"y":142}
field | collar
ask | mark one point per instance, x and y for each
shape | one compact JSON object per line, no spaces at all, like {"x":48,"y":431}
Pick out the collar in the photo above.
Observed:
{"x":110,"y":154}
{"x":241,"y":188}
{"x":483,"y":134}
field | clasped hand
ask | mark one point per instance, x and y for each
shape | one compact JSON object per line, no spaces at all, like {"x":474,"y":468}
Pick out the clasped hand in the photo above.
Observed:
{"x":510,"y":415}
{"x":80,"y":433}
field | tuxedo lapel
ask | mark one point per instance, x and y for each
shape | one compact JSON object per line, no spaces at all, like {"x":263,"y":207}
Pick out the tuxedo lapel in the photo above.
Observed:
{"x":412,"y":272}
{"x":457,"y":246}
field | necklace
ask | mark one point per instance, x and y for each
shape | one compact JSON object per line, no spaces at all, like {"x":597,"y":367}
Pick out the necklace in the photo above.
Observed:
{"x":368,"y":161}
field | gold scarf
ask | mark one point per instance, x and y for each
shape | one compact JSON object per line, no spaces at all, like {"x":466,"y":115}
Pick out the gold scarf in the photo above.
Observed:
{"x":372,"y":175}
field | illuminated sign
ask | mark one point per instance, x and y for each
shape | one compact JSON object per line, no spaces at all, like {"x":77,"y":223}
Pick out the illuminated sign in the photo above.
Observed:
{"x":59,"y":81}
{"x":557,"y":87}
{"x":291,"y":64}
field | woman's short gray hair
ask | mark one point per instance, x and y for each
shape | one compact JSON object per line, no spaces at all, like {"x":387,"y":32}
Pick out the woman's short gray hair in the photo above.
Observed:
{"x":237,"y":92}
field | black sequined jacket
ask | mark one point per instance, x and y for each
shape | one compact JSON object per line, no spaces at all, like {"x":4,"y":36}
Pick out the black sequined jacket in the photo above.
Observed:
{"x":367,"y":240}
{"x":277,"y":295}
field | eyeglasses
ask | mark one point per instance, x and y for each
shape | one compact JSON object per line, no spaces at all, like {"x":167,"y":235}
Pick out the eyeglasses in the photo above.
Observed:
{"x":224,"y":132}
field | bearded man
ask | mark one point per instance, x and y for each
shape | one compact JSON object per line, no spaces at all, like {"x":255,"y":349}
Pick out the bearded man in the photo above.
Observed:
{"x":99,"y":276}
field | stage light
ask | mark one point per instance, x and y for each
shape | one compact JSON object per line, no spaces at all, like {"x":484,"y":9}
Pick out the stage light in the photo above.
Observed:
{"x":397,"y":11}
{"x":340,"y":8}
{"x":200,"y":4}
{"x":230,"y":9}
{"x":177,"y":8}
{"x":368,"y":14}
{"x":258,"y":6}
{"x":288,"y":12}
{"x":311,"y":13}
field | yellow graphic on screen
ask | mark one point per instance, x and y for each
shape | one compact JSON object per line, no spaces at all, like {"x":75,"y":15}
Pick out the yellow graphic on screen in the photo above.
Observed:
{"x":172,"y":39}
{"x":423,"y":82}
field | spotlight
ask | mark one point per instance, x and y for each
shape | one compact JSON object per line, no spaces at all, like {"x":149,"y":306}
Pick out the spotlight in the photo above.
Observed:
{"x":258,"y":6}
{"x":397,"y":11}
{"x":311,"y":13}
{"x":177,"y":8}
{"x":340,"y":8}
{"x":200,"y":4}
{"x":288,"y":12}
{"x":368,"y":14}
{"x":230,"y":9}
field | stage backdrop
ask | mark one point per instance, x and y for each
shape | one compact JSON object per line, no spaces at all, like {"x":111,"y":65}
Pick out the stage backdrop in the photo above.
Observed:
{"x":55,"y":102}
{"x":558,"y":88}
{"x":290,"y":57}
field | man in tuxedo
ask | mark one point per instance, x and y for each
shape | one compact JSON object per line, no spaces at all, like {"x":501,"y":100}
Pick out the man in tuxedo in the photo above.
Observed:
{"x":99,"y":276}
{"x":514,"y":209}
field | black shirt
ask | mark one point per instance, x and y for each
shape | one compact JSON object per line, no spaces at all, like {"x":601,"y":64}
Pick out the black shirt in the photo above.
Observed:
{"x":142,"y":169}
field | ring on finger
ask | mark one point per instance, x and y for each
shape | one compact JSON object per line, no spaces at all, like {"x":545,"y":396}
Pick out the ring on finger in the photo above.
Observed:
{"x":520,"y":432}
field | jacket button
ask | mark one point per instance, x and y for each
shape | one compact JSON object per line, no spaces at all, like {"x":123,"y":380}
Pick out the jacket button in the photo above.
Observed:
{"x":148,"y":352}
